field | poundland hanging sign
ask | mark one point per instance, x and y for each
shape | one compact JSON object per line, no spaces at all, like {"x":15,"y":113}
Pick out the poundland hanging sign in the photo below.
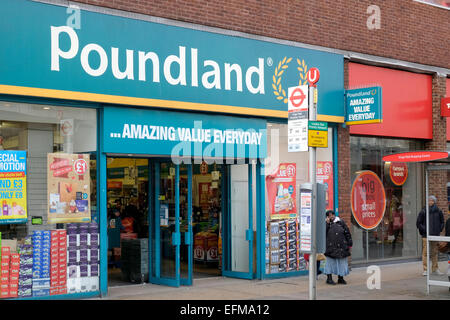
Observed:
{"x":363,"y":106}
{"x":113,"y":59}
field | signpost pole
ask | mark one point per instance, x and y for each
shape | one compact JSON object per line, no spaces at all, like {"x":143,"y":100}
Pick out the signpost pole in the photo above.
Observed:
{"x":312,"y":174}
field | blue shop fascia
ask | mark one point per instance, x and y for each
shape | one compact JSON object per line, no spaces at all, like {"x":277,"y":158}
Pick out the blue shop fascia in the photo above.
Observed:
{"x":186,"y":105}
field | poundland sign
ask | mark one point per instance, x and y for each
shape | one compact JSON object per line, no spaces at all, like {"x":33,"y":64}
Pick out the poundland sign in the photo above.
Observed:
{"x":113,"y":59}
{"x":363,"y":106}
{"x":172,"y":67}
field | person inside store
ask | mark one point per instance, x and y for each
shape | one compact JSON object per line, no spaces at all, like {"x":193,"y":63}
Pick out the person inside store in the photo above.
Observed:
{"x":131,"y":214}
{"x":436,"y":219}
{"x":118,"y":206}
{"x":338,"y":244}
{"x":397,"y":221}
{"x":114,"y":228}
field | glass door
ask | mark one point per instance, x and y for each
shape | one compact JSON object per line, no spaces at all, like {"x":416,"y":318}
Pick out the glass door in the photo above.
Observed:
{"x":238,"y":222}
{"x":186,"y":223}
{"x":165,"y":224}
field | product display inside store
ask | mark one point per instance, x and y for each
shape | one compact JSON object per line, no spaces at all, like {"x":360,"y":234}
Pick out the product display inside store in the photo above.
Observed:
{"x":48,"y":220}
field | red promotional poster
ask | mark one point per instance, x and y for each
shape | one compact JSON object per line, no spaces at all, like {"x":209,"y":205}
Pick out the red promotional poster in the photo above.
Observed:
{"x":282,"y":192}
{"x":368,"y":200}
{"x":68,"y":186}
{"x":325,"y":176}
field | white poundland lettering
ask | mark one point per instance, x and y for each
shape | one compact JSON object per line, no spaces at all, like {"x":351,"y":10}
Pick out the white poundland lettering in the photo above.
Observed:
{"x":210,"y":70}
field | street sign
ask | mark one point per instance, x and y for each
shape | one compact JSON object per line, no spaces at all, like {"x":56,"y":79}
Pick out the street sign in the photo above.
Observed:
{"x":298,"y":98}
{"x":318,"y":134}
{"x":305,"y":217}
{"x":312,"y":76}
{"x":363,"y":106}
{"x":445,"y":107}
{"x":416,"y":156}
{"x":298,"y":102}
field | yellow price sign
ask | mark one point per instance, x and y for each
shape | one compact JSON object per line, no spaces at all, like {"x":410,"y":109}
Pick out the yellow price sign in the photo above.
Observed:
{"x":318,"y":138}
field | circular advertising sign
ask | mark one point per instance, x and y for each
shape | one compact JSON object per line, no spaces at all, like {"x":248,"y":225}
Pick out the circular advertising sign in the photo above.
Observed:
{"x":368,"y":200}
{"x":398,"y":172}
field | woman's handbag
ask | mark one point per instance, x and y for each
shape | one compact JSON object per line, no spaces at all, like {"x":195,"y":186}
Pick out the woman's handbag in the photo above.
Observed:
{"x":443,"y":247}
{"x":320,"y":257}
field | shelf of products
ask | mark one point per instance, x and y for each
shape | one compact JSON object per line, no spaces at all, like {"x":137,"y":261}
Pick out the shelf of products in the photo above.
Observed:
{"x":282,"y":247}
{"x":52,"y":262}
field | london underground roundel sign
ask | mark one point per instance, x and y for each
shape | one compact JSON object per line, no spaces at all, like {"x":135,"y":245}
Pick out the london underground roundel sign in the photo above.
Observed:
{"x":368,"y":200}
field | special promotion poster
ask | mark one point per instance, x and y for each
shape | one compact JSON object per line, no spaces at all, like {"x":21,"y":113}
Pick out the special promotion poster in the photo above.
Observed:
{"x":68,"y":185}
{"x":13,"y":187}
{"x":281,"y":192}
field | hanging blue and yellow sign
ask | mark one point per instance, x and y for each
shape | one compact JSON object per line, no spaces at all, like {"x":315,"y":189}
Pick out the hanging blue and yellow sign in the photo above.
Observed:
{"x":363,"y":106}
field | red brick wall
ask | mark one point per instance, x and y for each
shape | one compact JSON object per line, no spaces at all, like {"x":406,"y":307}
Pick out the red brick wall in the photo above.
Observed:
{"x":438,"y":179}
{"x":343,"y":166}
{"x":410,"y":31}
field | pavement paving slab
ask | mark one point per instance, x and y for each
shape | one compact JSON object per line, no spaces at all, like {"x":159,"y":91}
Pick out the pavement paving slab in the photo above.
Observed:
{"x":400,"y":281}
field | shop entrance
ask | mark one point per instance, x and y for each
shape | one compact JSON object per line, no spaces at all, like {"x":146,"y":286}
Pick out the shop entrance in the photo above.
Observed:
{"x":169,"y":224}
{"x":128,"y":224}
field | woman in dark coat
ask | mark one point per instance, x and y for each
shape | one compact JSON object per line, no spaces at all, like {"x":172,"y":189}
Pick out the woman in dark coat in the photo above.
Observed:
{"x":339,"y":241}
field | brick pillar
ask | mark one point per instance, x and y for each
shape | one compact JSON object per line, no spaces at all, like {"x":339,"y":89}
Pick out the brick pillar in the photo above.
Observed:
{"x":343,"y":166}
{"x":438,"y":179}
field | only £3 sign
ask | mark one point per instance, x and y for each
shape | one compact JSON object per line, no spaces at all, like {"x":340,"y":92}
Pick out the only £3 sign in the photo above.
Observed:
{"x":13,"y":187}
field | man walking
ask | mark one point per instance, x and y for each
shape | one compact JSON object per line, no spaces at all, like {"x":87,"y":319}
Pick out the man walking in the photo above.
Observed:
{"x":436,"y":220}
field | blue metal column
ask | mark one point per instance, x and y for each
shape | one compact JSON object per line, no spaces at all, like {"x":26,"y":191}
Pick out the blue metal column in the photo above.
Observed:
{"x":157,"y":252}
{"x":151,"y":212}
{"x":260,"y":219}
{"x":190,"y":235}
{"x":177,"y":239}
{"x":227,"y":235}
{"x":249,"y":235}
{"x":102,"y":206}
{"x":335,"y":170}
{"x":223,"y":186}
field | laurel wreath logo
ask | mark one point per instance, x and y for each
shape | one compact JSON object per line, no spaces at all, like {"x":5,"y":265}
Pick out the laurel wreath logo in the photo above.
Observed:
{"x":283,"y":64}
{"x":303,"y":69}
